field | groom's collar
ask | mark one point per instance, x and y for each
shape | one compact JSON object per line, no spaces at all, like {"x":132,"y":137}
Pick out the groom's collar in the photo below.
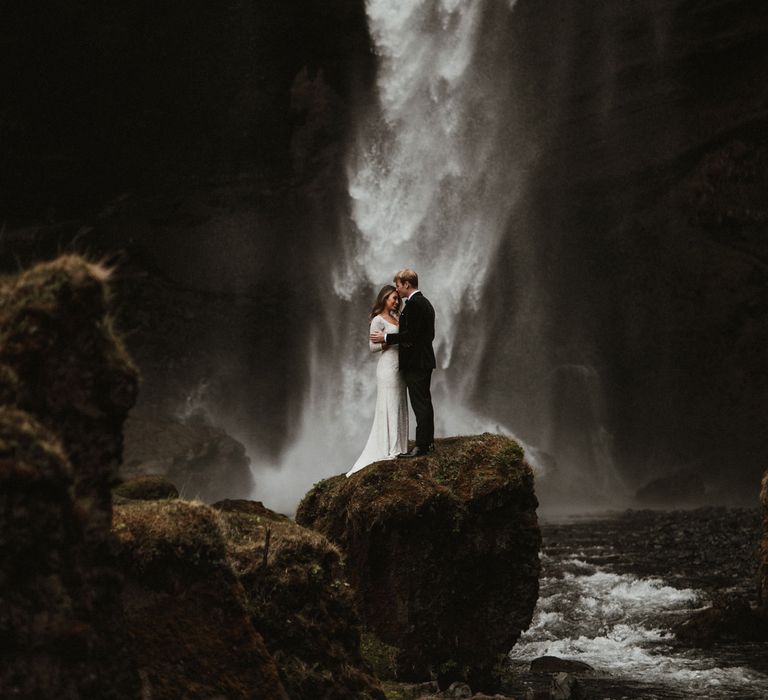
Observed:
{"x":415,"y":291}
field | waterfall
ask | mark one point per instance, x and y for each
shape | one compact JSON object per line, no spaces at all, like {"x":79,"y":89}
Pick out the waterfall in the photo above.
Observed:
{"x":435,"y":171}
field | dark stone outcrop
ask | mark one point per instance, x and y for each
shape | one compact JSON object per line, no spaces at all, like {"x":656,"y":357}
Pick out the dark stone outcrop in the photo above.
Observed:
{"x":203,"y":462}
{"x":554,"y":664}
{"x":681,"y":488}
{"x":300,"y":601}
{"x":441,"y":551}
{"x":66,"y":384}
{"x":186,"y":612}
{"x":730,"y":617}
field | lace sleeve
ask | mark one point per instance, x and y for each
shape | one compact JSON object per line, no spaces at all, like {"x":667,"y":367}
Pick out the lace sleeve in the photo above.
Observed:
{"x":377,"y":324}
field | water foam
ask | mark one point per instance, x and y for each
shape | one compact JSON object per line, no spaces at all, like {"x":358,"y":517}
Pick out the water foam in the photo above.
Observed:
{"x":619,"y":624}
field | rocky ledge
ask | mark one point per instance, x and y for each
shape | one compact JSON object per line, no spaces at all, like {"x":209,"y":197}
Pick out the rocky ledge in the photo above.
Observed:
{"x":442,"y":553}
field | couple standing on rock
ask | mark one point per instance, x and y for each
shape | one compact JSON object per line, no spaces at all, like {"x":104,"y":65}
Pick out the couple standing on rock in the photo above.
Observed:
{"x":402,"y":330}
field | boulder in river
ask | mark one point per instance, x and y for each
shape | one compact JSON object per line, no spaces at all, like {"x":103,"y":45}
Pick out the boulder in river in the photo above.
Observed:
{"x":441,"y":551}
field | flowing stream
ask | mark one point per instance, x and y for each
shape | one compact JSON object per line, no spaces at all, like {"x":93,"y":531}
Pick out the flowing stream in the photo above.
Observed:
{"x":613,"y":587}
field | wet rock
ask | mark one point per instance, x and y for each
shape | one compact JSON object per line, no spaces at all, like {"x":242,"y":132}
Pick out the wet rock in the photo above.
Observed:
{"x":458,"y":690}
{"x":680,"y":488}
{"x":300,"y":602}
{"x":146,"y":487}
{"x":729,"y":616}
{"x":202,"y":461}
{"x":441,"y":551}
{"x":186,"y":612}
{"x":554,"y":664}
{"x":566,"y":687}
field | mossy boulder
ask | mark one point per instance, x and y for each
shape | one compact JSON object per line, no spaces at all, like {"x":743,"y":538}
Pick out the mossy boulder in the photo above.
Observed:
{"x":66,"y":385}
{"x":187,"y":614}
{"x":146,"y":487}
{"x":52,"y":645}
{"x":71,"y":369}
{"x":441,"y":551}
{"x":300,"y":602}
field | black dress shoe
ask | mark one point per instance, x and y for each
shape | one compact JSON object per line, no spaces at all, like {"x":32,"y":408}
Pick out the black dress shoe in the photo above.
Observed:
{"x":415,"y":452}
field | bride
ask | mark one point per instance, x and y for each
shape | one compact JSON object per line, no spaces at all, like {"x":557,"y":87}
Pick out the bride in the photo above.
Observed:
{"x":389,"y":433}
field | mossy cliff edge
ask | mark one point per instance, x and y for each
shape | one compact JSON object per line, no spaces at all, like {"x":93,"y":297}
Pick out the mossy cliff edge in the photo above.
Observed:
{"x":442,"y":552}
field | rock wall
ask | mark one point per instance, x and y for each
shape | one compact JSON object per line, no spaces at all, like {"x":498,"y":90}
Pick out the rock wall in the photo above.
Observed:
{"x":635,"y":263}
{"x":442,"y":553}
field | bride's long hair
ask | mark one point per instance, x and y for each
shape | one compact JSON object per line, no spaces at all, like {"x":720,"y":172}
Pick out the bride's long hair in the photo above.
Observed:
{"x":380,"y":304}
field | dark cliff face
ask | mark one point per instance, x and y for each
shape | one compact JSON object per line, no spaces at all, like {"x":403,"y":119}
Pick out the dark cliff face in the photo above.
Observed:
{"x":97,"y":100}
{"x":646,"y":223}
{"x":199,"y":147}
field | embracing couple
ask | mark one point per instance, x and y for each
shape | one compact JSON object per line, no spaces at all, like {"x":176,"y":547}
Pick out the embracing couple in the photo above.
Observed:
{"x":402,"y":330}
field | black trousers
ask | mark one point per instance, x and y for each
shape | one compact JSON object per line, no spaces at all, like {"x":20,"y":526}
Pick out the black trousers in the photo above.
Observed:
{"x":417,"y":381}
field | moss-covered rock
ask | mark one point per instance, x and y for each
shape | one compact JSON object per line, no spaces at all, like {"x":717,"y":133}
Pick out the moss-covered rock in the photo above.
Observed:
{"x":187,"y":614}
{"x":146,"y":487}
{"x":65,"y":380}
{"x":73,"y":373}
{"x":300,"y":602}
{"x":44,"y":623}
{"x":442,"y":552}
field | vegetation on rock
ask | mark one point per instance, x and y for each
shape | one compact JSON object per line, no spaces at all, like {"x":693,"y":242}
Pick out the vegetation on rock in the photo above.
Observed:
{"x":146,"y":487}
{"x":442,"y":553}
{"x":186,"y":611}
{"x":300,"y":601}
{"x":66,"y":385}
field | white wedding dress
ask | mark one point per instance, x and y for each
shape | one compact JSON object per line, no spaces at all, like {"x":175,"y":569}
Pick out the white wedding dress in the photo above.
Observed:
{"x":389,"y":433}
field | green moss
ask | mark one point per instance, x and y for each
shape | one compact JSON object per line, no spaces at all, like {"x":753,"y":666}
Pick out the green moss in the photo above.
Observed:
{"x":164,"y":542}
{"x":147,"y":487}
{"x":509,"y":454}
{"x":381,"y":657}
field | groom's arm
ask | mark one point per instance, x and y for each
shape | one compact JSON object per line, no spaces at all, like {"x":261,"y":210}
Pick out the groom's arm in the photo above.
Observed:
{"x":419,"y":325}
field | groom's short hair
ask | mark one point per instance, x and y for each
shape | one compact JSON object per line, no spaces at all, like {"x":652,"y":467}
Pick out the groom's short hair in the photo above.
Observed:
{"x":408,"y":275}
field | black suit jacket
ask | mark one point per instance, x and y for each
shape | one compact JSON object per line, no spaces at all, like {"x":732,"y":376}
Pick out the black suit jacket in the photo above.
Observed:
{"x":417,"y":331}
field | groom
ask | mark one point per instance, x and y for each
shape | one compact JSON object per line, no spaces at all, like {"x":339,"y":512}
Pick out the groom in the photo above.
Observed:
{"x":417,"y":359}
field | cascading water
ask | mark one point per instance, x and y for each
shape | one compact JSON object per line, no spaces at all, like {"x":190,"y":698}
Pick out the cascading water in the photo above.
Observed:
{"x":435,"y":172}
{"x":434,"y":175}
